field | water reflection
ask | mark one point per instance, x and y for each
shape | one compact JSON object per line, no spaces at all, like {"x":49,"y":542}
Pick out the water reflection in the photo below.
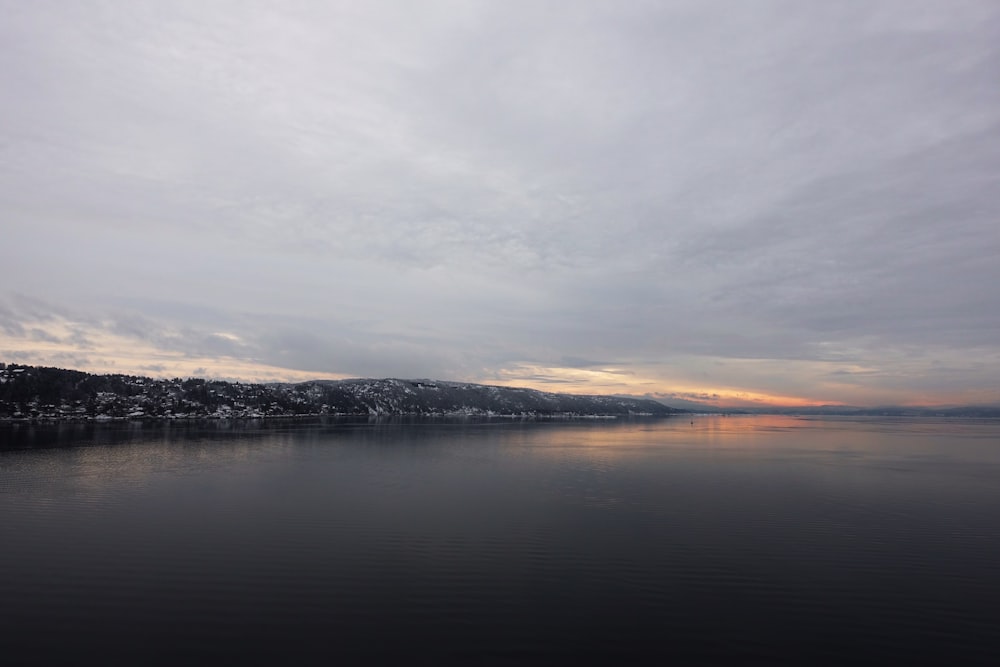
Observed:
{"x":730,"y":539}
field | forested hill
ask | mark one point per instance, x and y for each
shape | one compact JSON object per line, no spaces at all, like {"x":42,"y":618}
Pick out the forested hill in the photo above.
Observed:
{"x":31,"y":392}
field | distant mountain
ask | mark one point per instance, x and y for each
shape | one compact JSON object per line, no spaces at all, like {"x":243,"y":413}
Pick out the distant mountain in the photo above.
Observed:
{"x":968,"y":411}
{"x":30,"y":392}
{"x":687,"y":405}
{"x":964,"y":411}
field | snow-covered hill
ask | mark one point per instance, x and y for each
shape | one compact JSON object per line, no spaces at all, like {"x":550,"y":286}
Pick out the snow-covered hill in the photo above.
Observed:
{"x":28,"y":392}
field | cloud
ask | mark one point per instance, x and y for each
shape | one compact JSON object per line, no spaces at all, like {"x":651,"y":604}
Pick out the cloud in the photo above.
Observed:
{"x":788,"y":199}
{"x":41,"y":335}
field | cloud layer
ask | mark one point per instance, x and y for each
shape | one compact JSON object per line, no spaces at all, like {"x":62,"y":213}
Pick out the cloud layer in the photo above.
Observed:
{"x":769,"y":200}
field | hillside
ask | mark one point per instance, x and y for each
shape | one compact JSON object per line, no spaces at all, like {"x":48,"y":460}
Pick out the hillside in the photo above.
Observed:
{"x":30,"y":392}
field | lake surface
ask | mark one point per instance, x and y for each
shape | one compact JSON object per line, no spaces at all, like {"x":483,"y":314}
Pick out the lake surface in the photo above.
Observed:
{"x":709,"y":540}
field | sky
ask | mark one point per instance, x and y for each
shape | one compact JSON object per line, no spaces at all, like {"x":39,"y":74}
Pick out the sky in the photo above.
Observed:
{"x":736,"y":202}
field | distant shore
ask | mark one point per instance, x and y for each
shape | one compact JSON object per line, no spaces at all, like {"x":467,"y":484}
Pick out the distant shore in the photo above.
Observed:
{"x":29,"y":393}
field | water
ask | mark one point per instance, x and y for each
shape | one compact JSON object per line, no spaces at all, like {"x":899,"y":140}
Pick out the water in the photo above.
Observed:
{"x":763,"y":540}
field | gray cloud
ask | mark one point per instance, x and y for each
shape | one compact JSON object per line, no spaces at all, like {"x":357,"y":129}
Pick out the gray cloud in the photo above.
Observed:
{"x":476,"y":190}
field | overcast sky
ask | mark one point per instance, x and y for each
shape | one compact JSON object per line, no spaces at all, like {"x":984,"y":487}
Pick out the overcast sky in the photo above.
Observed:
{"x":735,"y":200}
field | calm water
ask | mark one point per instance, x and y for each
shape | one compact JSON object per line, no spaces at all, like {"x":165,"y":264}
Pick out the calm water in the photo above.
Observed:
{"x":741,"y":539}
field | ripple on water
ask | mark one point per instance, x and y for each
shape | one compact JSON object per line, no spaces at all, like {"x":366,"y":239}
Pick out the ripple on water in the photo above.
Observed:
{"x":507,"y":545}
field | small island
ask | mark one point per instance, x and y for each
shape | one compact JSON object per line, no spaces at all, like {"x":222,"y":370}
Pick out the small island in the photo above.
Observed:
{"x":50,"y":394}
